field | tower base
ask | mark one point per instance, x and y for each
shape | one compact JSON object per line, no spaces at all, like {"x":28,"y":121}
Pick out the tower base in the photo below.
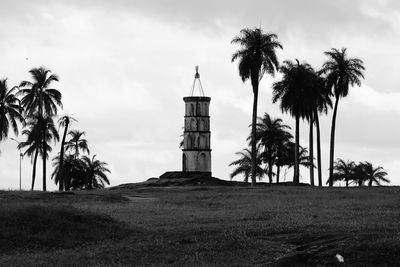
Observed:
{"x":183,"y":175}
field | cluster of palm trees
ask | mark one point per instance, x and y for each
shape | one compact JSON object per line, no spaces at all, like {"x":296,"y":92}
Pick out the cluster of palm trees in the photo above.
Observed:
{"x":303,"y":92}
{"x":275,"y":150}
{"x":363,"y":172}
{"x":34,"y":105}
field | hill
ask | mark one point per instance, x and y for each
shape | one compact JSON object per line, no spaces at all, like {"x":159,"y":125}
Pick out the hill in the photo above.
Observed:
{"x":202,"y":226}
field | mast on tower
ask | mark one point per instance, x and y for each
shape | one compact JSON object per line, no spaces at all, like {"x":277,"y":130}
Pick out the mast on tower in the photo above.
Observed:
{"x":198,"y":82}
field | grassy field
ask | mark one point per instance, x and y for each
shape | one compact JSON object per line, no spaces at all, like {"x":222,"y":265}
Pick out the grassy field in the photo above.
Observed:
{"x":202,"y":226}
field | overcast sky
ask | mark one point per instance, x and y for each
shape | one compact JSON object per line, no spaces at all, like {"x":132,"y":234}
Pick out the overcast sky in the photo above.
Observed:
{"x":125,"y":66}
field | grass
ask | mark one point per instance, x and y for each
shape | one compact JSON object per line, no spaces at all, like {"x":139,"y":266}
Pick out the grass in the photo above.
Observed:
{"x":202,"y":226}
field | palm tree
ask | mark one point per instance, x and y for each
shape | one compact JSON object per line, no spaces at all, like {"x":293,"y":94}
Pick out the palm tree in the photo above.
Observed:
{"x":95,"y":173}
{"x":244,"y":165}
{"x":72,"y":171}
{"x":322,"y":102}
{"x":77,"y":143}
{"x":341,"y":72}
{"x":33,"y":144}
{"x":40,"y":101}
{"x":256,"y":56}
{"x":343,"y":171}
{"x":318,"y":100}
{"x":48,"y":133}
{"x":290,"y":160}
{"x":291,"y":91}
{"x":38,"y":98}
{"x":271,"y":133}
{"x":64,"y":121}
{"x":10,"y":110}
{"x":374,"y":175}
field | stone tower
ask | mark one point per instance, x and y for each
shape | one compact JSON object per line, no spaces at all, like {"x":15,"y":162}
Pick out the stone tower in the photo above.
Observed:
{"x":196,"y":156}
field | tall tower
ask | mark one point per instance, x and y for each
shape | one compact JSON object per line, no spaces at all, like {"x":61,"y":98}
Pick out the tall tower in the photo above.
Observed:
{"x":196,"y":156}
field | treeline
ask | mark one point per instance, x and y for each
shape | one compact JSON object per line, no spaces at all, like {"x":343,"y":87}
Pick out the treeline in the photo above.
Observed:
{"x":33,"y":105}
{"x":303,"y":92}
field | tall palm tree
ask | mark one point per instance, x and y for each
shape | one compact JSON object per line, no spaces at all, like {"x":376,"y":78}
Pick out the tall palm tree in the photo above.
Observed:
{"x":343,"y":171}
{"x":256,"y":56}
{"x":41,"y":102}
{"x":271,"y":133}
{"x":322,"y":102}
{"x":341,"y":72}
{"x":77,"y":143}
{"x":374,"y":175}
{"x":33,"y":144}
{"x":10,"y":110}
{"x":318,"y":99}
{"x":244,"y":165}
{"x":64,"y":121}
{"x":291,"y":91}
{"x":95,"y":173}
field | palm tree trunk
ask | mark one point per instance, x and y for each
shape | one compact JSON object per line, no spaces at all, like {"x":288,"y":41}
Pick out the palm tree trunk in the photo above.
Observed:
{"x":311,"y":144}
{"x":44,"y":158}
{"x":318,"y":148}
{"x":61,"y":182}
{"x":332,"y":148}
{"x":296,"y":179}
{"x":347,"y":182}
{"x":34,"y":168}
{"x":278,"y":170}
{"x":253,"y":133}
{"x":270,"y":164}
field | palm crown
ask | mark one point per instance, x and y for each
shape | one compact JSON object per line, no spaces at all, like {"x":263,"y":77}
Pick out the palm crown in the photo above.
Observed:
{"x":10,"y":110}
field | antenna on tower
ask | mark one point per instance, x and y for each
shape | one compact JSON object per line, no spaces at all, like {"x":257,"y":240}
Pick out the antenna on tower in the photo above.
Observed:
{"x":197,"y":78}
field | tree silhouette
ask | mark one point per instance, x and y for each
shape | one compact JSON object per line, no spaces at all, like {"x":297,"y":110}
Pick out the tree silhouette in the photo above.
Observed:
{"x":271,"y":133}
{"x":256,"y":56}
{"x":343,"y":171}
{"x":64,"y":121}
{"x":10,"y":110}
{"x":374,"y":175}
{"x":341,"y":72}
{"x":244,"y":165}
{"x":95,"y":173}
{"x":48,"y":132}
{"x":77,"y":143}
{"x":40,"y":102}
{"x":291,"y":91}
{"x":321,"y":103}
{"x":33,"y":144}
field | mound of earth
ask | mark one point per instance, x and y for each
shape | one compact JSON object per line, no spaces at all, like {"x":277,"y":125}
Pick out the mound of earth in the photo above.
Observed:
{"x":193,"y":181}
{"x":44,"y":227}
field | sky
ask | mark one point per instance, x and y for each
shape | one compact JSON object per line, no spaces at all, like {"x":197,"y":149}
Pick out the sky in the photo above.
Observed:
{"x":125,"y":66}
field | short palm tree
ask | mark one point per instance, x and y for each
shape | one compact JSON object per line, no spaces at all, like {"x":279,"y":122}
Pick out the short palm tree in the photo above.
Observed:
{"x":77,"y":143}
{"x":95,"y":173}
{"x":64,"y":121}
{"x":10,"y":110}
{"x":33,"y":144}
{"x":341,"y":72}
{"x":48,"y":133}
{"x":343,"y":171}
{"x":256,"y":56}
{"x":374,"y":175}
{"x":72,"y":172}
{"x":291,"y":91}
{"x":271,"y":133}
{"x":244,"y":165}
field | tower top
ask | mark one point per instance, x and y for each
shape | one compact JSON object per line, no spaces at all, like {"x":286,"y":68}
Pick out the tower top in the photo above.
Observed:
{"x":198,"y":82}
